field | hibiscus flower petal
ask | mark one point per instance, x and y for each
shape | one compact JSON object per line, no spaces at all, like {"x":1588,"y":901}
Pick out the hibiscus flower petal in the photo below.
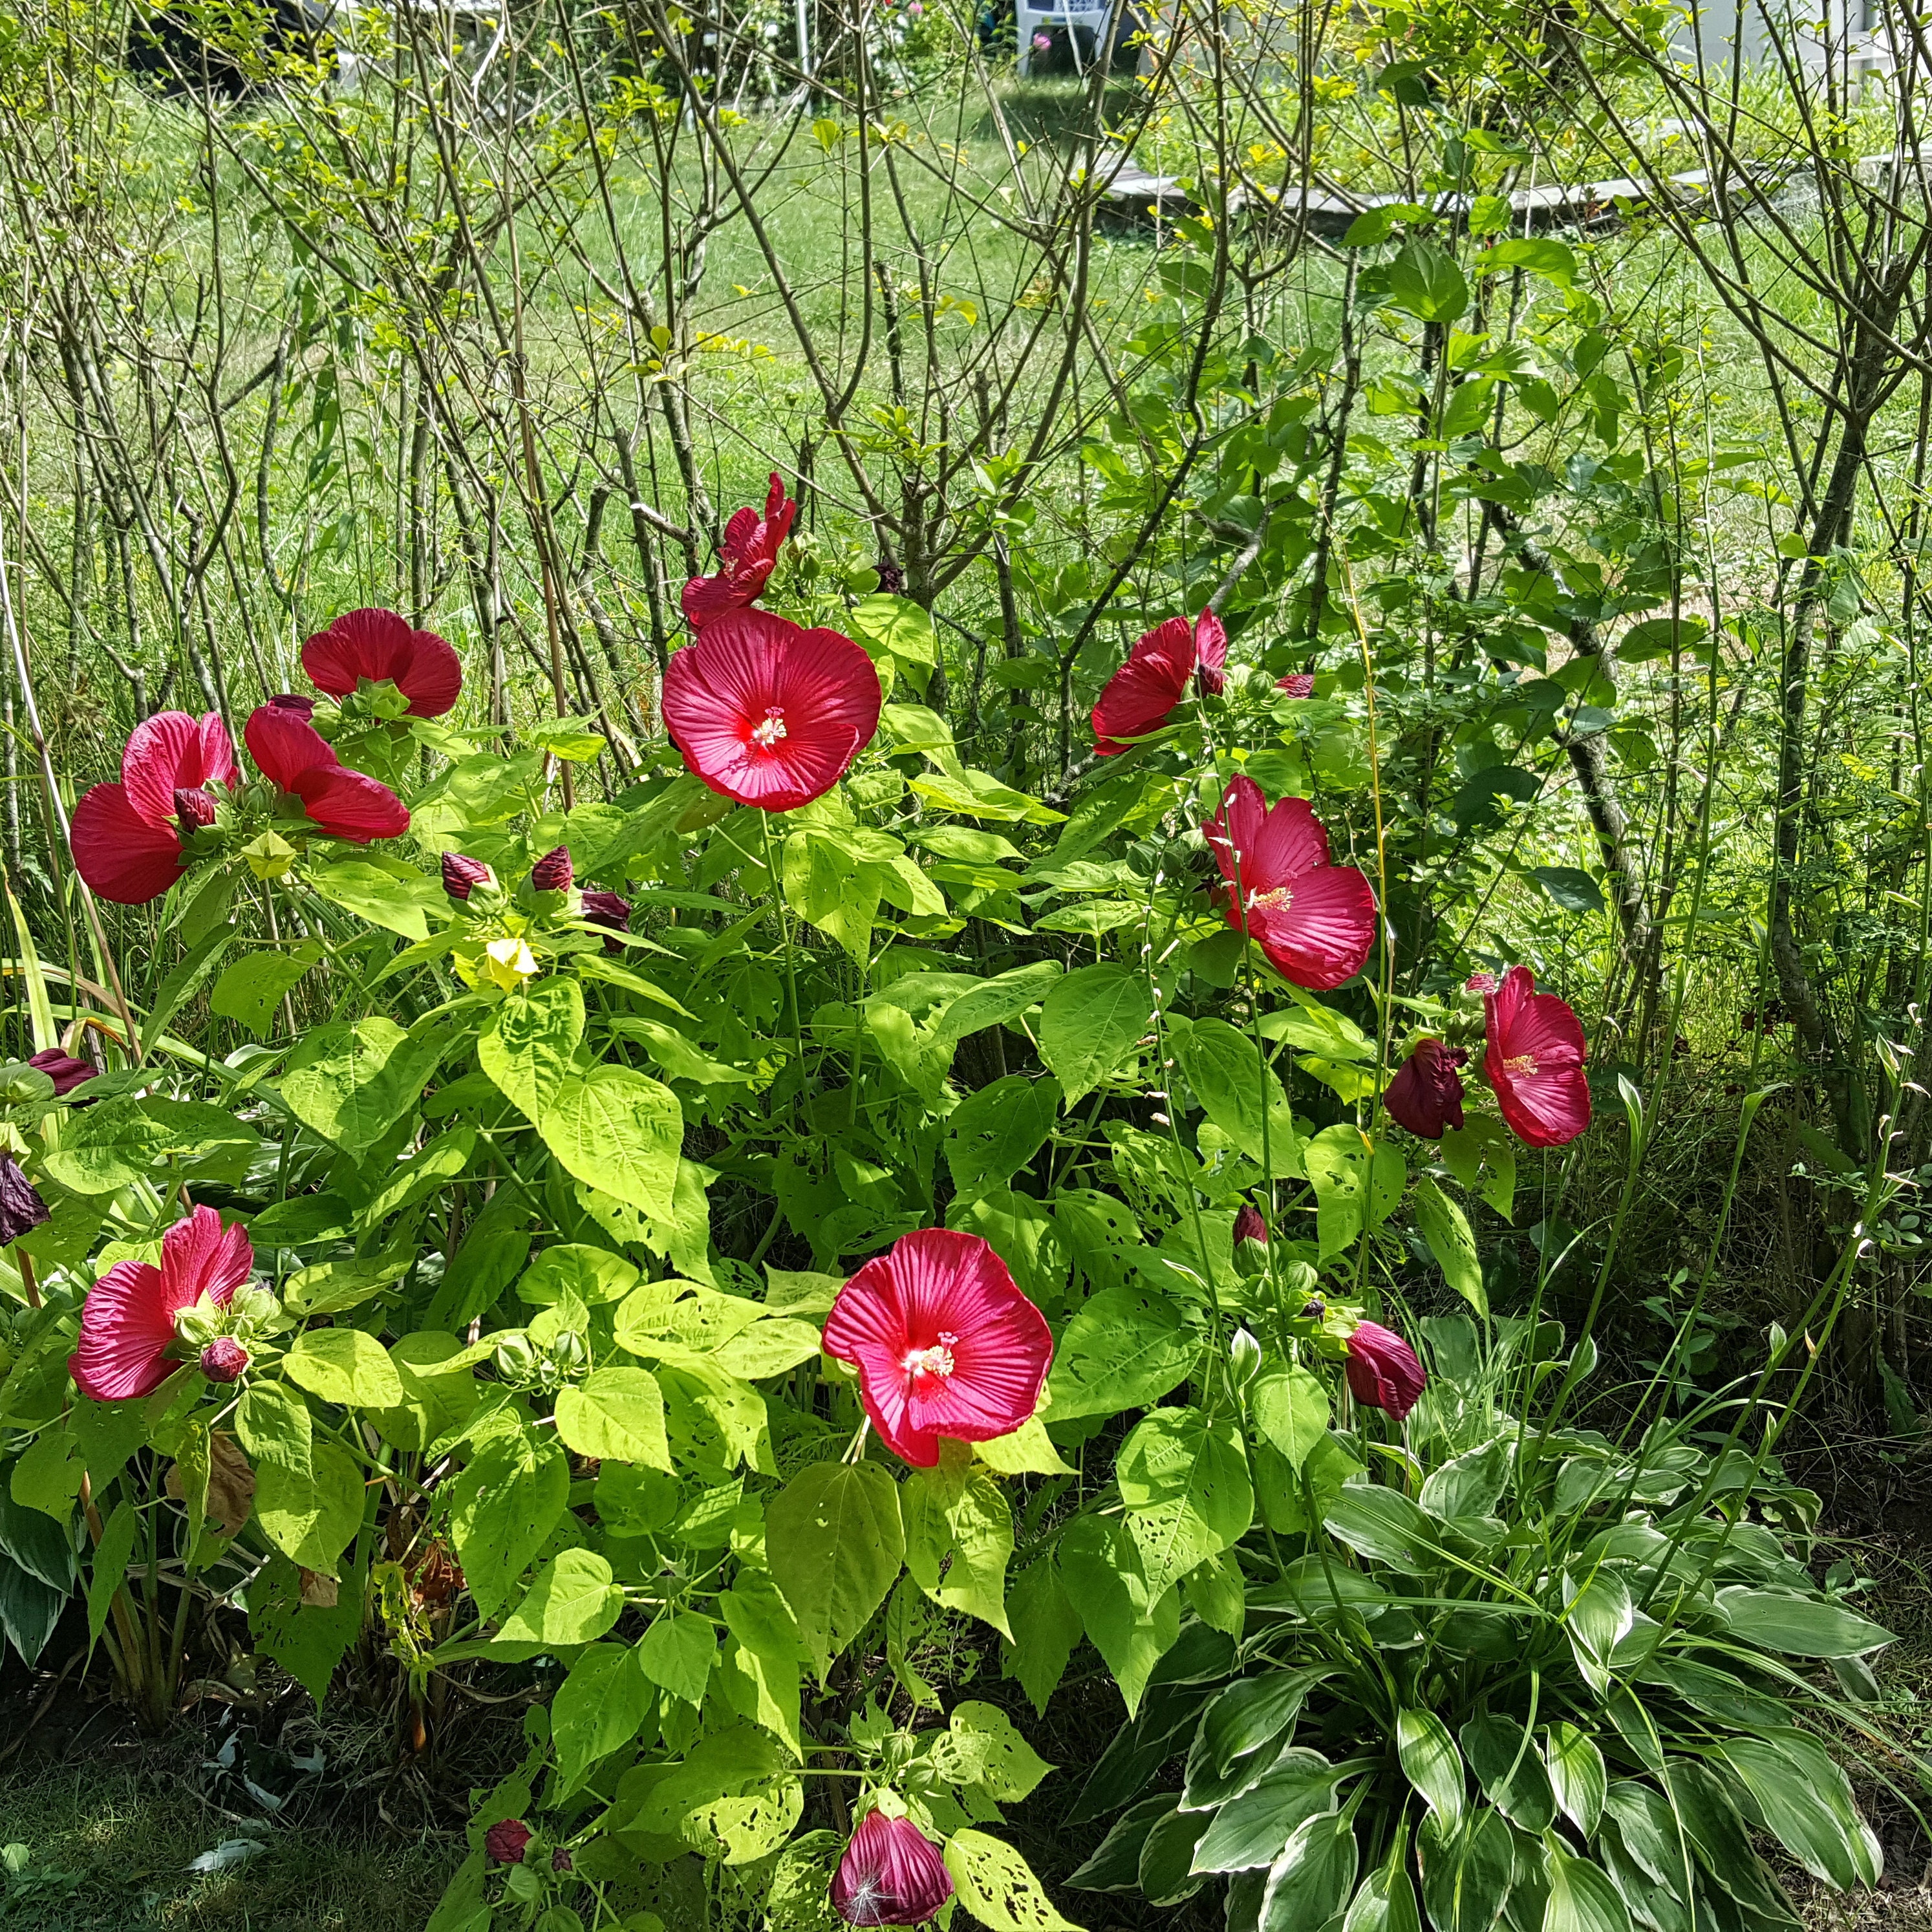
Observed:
{"x":1141,"y":696}
{"x":198,"y":1256}
{"x":286,"y":745}
{"x":1237,"y":828}
{"x":1210,"y":651}
{"x":432,"y":679}
{"x":170,"y":752}
{"x":120,"y":854}
{"x":351,"y":805}
{"x":372,"y":643}
{"x":1542,"y":1109}
{"x":1321,"y":937}
{"x":126,"y":1327}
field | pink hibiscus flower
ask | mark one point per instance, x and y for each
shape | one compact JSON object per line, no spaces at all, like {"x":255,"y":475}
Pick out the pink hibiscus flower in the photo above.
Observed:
{"x":767,"y":713}
{"x":1535,"y":1061}
{"x":944,"y":1341}
{"x":1382,"y":1369}
{"x":294,"y":756}
{"x":127,"y":837}
{"x":380,"y":647}
{"x":751,"y":553}
{"x":127,"y":1321}
{"x":891,"y":1873}
{"x":1314,"y":921}
{"x":1159,"y":669}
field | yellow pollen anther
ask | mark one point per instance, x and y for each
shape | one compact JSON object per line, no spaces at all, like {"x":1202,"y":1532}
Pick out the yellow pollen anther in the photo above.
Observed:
{"x":937,"y":1360}
{"x":1520,"y":1063}
{"x":767,"y":733}
{"x":1277,"y":899}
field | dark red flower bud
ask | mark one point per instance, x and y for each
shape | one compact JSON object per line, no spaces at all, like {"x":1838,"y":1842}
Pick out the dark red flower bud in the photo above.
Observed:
{"x":63,"y":1070}
{"x":462,"y":876}
{"x":552,"y":873}
{"x":1382,"y":1369}
{"x":1296,"y":684}
{"x":611,"y":909}
{"x":289,"y":701}
{"x":506,"y":1841}
{"x":1479,"y":983}
{"x":223,"y":1359}
{"x":1314,"y":1309}
{"x":193,"y":809}
{"x":891,"y":1873}
{"x":1250,"y":1225}
{"x":891,"y":577}
{"x":561,"y":1861}
{"x":1426,"y":1096}
{"x":22,"y":1210}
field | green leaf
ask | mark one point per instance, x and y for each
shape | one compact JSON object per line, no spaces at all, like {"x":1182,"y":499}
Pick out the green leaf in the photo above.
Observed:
{"x":980,"y":1748}
{"x":105,"y":1147}
{"x":1125,"y":1348}
{"x":274,"y":1425}
{"x":47,"y":1476}
{"x":963,"y":1513}
{"x":1310,"y":1882}
{"x":1184,"y":1477}
{"x":1572,"y":890}
{"x":1804,"y":1800}
{"x":1251,"y":1829}
{"x":1386,"y":1900}
{"x":735,"y":1796}
{"x":1426,"y":282}
{"x":330,"y":1288}
{"x":1582,"y":1898}
{"x":1385,"y":1526}
{"x":1351,"y":1179}
{"x":996,"y":1000}
{"x":504,"y":1503}
{"x":997,"y":1887}
{"x":1446,"y":1229}
{"x":1291,"y":1408}
{"x":834,"y":1539}
{"x":1510,"y":1771}
{"x":1553,"y":260}
{"x":1482,"y":1157}
{"x":573,"y":1600}
{"x":1466,"y":1874}
{"x":1471,"y":1484}
{"x":677,"y":1653}
{"x":992,"y":1134}
{"x":307,"y":1640}
{"x":527,"y":1046}
{"x":351,"y":1081}
{"x":1165,"y":1871}
{"x":618,"y":1413}
{"x":1799,"y":1626}
{"x":109,"y":1566}
{"x":1577,"y":1775}
{"x":1253,"y":1711}
{"x":397,"y":901}
{"x":1090,"y":1020}
{"x":346,"y":1366}
{"x":311,"y":1517}
{"x":1431,"y":1763}
{"x":1132,"y":1627}
{"x":1229,"y":1078}
{"x":620,"y":1133}
{"x":895,"y":625}
{"x":1046,"y":1630}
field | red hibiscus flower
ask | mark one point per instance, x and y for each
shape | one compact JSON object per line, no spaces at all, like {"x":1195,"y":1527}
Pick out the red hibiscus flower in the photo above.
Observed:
{"x":127,"y":839}
{"x":751,"y":551}
{"x":1382,"y":1370}
{"x":1156,"y":677}
{"x":127,"y":1321}
{"x":769,"y":714}
{"x":944,"y":1343}
{"x":1535,"y":1061}
{"x":380,"y":647}
{"x":1314,"y":922}
{"x":891,"y":1873}
{"x":1427,"y":1095}
{"x":294,"y":755}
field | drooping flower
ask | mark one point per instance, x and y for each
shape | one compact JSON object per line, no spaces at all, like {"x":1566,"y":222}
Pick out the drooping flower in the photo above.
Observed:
{"x":127,"y":839}
{"x":1159,"y":671}
{"x":552,"y":872}
{"x":462,"y":876}
{"x":891,"y":1873}
{"x":1382,"y":1369}
{"x":608,"y":909}
{"x":223,"y":1360}
{"x":1314,"y":921}
{"x":1426,"y":1096}
{"x":506,"y":1841}
{"x":294,"y":756}
{"x":127,"y":1321}
{"x":1296,"y":684}
{"x":944,"y":1343}
{"x":378,"y":646}
{"x":769,"y":714}
{"x":750,"y":554}
{"x":1534,"y":1059}
{"x":63,"y":1070}
{"x":22,"y":1210}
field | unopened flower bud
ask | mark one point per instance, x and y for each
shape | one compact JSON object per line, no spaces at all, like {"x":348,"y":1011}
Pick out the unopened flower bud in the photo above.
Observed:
{"x":1244,"y":1358}
{"x":1314,"y":1309}
{"x":1382,"y":1370}
{"x":552,"y":873}
{"x":194,"y":807}
{"x":506,"y":1841}
{"x":1250,"y":1225}
{"x":223,"y":1359}
{"x":462,"y":876}
{"x":63,"y":1070}
{"x":561,"y":1861}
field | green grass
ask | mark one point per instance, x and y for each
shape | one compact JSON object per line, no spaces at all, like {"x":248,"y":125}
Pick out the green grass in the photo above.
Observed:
{"x":108,"y":1849}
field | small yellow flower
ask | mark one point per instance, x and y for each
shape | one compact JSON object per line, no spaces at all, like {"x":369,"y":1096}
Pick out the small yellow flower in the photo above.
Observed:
{"x":509,"y":962}
{"x":270,"y":856}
